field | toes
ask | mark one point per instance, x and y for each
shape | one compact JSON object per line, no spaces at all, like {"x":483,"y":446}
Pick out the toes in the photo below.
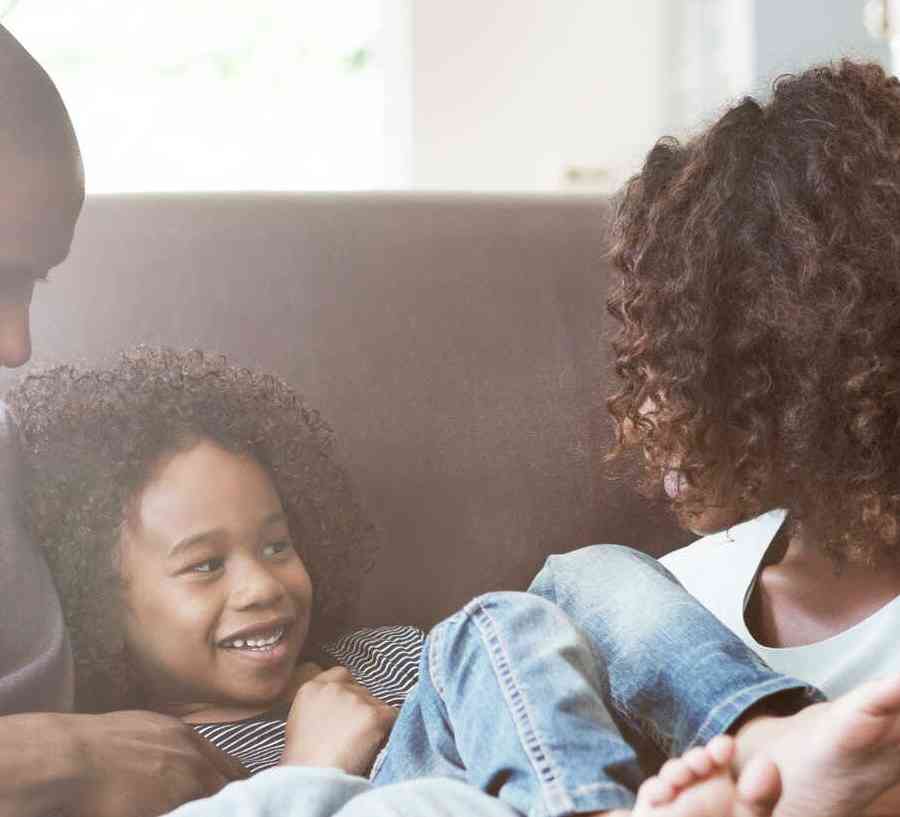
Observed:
{"x":713,"y":796}
{"x":699,"y":761}
{"x":677,"y":773}
{"x":721,"y":749}
{"x":758,"y":789}
{"x":655,"y":791}
{"x":695,"y":765}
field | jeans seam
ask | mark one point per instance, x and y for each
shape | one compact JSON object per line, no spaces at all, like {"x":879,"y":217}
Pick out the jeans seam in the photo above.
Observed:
{"x":435,"y":671}
{"x":520,"y":709}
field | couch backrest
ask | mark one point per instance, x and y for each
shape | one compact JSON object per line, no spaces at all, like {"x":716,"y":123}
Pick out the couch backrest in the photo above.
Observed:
{"x":454,"y":342}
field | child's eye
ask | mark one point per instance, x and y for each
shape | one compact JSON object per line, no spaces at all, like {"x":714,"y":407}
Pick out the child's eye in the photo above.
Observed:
{"x":276,"y":548}
{"x":208,"y":565}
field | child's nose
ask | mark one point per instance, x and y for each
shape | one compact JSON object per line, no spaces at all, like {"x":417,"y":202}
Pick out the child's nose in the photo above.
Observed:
{"x":255,"y":586}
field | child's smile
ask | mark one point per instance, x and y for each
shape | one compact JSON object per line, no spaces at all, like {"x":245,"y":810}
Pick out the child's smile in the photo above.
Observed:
{"x":264,"y":643}
{"x":217,"y":601}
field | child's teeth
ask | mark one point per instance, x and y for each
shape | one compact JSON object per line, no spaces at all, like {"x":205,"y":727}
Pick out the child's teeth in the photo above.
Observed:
{"x":258,"y":642}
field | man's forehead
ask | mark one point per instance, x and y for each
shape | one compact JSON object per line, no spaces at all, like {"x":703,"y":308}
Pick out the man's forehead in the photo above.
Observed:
{"x":31,"y":110}
{"x":40,"y":200}
{"x":41,"y":179}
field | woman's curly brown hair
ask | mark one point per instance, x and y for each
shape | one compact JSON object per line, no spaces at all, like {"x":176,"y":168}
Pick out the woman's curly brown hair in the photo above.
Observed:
{"x":91,"y":439}
{"x":759,"y":345}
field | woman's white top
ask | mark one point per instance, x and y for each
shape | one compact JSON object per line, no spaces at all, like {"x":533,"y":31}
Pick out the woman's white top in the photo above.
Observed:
{"x":721,"y":571}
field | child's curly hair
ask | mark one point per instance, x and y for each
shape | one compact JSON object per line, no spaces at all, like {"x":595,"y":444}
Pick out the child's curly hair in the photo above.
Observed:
{"x":91,"y":439}
{"x":759,"y":345}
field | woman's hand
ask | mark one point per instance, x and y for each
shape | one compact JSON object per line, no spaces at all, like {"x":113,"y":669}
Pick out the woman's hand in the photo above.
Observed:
{"x":334,"y":722}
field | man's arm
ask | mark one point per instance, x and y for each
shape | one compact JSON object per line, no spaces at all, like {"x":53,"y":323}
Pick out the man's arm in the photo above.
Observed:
{"x":124,"y":764}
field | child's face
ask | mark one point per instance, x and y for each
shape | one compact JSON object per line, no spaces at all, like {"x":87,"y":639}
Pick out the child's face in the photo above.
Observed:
{"x":217,"y":601}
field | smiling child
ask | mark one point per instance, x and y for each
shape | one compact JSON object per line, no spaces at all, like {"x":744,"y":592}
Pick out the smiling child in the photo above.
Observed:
{"x":199,"y":634}
{"x":188,"y":509}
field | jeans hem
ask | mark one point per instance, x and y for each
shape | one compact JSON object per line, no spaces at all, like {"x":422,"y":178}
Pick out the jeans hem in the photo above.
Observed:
{"x":723,"y":715}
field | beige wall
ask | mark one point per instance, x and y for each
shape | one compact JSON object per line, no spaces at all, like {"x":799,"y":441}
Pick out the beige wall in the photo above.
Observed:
{"x":506,"y":94}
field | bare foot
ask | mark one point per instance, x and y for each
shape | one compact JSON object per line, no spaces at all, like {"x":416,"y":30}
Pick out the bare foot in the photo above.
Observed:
{"x":834,"y":758}
{"x":698,"y":784}
{"x":677,"y":774}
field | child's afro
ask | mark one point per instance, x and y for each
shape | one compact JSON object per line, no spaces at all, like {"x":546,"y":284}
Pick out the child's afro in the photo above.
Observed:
{"x":91,"y":438}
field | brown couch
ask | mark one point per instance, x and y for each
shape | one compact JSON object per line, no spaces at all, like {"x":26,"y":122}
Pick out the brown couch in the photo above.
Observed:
{"x":454,"y":342}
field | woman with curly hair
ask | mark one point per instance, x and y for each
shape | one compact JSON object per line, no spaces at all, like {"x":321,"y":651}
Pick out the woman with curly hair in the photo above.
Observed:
{"x":759,"y":358}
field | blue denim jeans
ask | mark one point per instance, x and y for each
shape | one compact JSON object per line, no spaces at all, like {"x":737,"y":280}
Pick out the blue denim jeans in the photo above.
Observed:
{"x":527,"y":696}
{"x":303,"y":791}
{"x":675,"y":676}
{"x":509,"y":700}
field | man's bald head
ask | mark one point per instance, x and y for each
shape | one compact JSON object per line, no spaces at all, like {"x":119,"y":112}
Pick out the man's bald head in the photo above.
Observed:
{"x":41,"y":189}
{"x":34,"y":118}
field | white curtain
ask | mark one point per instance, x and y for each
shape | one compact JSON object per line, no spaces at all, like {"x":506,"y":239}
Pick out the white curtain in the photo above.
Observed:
{"x":711,"y":59}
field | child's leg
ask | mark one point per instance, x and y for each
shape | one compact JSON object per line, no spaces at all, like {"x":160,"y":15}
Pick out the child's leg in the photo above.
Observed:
{"x":509,"y":701}
{"x":672,"y":672}
{"x":303,"y":791}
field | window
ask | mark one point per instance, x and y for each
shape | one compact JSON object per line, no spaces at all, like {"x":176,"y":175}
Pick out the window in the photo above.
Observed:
{"x":222,"y":94}
{"x":713,"y":60}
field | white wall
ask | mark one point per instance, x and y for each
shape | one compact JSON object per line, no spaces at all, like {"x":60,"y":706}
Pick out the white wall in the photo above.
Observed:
{"x":508,"y":93}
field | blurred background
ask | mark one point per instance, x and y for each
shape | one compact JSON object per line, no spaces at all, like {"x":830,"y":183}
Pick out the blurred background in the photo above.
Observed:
{"x":512,"y":95}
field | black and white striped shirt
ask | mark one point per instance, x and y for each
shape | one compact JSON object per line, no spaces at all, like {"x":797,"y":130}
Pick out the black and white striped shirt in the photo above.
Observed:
{"x":385,"y":660}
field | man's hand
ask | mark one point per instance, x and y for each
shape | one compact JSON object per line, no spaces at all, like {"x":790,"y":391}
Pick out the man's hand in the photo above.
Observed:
{"x":334,"y":722}
{"x":141,"y":764}
{"x":125,"y":764}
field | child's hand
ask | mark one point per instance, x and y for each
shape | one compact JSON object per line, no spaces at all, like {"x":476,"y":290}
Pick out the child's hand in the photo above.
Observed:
{"x":335,"y":722}
{"x":303,"y":673}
